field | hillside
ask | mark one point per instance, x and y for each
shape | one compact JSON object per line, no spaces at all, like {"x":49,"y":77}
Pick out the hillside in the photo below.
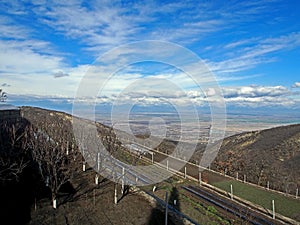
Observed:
{"x":268,"y":155}
{"x":35,"y":168}
{"x":34,"y":146}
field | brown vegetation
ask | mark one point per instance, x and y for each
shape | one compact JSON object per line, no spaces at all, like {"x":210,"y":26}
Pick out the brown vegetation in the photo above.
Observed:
{"x":269,"y":155}
{"x":41,"y":169}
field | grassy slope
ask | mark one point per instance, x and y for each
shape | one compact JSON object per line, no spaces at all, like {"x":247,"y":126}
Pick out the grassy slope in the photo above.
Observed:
{"x":284,"y":205}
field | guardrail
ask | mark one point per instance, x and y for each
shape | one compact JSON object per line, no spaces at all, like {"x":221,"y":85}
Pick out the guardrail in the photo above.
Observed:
{"x":260,"y":209}
{"x":234,"y":178}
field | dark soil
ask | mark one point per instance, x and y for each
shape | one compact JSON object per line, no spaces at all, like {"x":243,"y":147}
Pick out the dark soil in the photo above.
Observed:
{"x":90,"y":204}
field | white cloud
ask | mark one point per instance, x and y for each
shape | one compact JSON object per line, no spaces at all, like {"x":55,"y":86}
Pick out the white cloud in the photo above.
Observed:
{"x":238,"y":43}
{"x":17,"y":61}
{"x":255,"y":52}
{"x":29,"y":65}
{"x":106,"y":24}
{"x":256,"y":96}
{"x":100,"y":26}
{"x":296,"y":85}
{"x":271,"y":45}
{"x":9,"y":29}
{"x":139,"y":94}
{"x":255,"y":91}
{"x":250,"y":96}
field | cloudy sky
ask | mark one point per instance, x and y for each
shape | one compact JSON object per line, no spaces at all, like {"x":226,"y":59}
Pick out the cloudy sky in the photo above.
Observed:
{"x":252,"y":48}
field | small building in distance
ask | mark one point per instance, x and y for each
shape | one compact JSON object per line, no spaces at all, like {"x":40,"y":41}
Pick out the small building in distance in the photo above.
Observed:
{"x":9,"y":113}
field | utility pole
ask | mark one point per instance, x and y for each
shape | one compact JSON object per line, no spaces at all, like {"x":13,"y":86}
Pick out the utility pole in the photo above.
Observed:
{"x":231,"y":191}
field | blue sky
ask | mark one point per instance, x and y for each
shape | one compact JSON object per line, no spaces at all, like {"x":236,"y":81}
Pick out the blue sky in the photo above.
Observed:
{"x":252,"y":48}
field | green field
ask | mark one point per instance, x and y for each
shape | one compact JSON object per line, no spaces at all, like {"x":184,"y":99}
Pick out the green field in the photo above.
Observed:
{"x":285,"y":206}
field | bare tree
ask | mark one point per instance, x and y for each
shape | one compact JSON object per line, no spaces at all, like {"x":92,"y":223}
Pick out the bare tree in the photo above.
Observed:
{"x":51,"y":152}
{"x":3,"y":96}
{"x":109,"y":140}
{"x":114,"y":147}
{"x":101,"y":150}
{"x":13,"y":150}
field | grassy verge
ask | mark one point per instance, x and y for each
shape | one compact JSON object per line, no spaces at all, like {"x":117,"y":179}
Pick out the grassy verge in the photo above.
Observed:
{"x":196,"y":210}
{"x":284,"y":205}
{"x":209,"y":211}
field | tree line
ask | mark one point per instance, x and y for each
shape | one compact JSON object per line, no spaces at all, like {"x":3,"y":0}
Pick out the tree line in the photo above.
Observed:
{"x":49,"y":147}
